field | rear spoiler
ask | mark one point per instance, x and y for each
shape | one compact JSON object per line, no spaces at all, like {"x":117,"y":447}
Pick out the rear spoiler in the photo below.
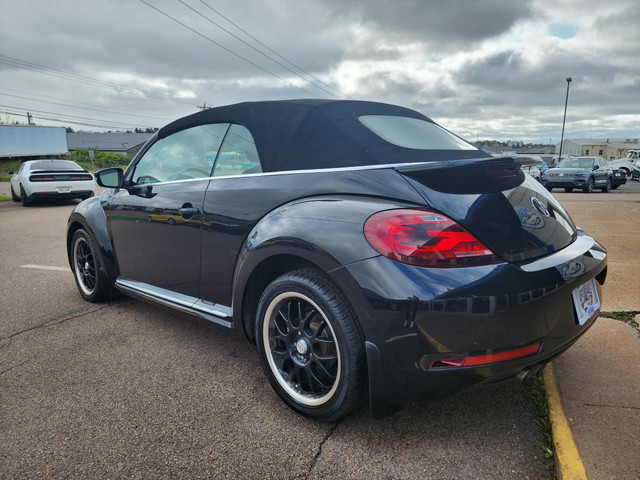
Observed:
{"x":491,"y":162}
{"x":57,"y":172}
{"x":469,"y":176}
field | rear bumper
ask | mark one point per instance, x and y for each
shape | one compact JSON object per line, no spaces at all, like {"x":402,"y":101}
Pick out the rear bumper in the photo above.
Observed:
{"x":53,"y":195}
{"x":618,"y":180}
{"x":412,"y":317}
{"x":567,"y":182}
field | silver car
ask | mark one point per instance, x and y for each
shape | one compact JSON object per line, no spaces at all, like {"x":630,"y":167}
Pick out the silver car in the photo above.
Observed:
{"x":585,"y":173}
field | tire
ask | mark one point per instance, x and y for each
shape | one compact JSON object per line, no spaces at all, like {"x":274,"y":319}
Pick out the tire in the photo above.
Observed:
{"x":589,"y":187}
{"x":86,"y":268}
{"x":613,"y":187}
{"x":568,"y":189}
{"x":309,"y":345}
{"x":607,"y":187}
{"x":14,"y":197}
{"x":549,"y":188}
{"x":25,"y":199}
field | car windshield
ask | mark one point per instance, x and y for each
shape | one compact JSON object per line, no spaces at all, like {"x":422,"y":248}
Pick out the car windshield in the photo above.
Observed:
{"x":55,"y":165}
{"x":413,"y":133}
{"x":576,"y":163}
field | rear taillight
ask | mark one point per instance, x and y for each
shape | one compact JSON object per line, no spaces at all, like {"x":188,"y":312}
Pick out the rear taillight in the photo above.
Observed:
{"x":35,"y":178}
{"x":60,"y":178}
{"x":425,"y":238}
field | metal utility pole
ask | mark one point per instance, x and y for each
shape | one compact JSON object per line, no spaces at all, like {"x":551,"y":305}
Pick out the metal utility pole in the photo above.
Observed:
{"x":28,"y":118}
{"x":566,"y":101}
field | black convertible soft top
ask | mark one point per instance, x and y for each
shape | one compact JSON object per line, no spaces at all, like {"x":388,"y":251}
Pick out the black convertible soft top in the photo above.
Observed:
{"x":308,"y":134}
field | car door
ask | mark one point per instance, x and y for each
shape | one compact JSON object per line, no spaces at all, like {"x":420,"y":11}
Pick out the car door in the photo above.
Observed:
{"x":603,"y":173}
{"x":156,"y":221}
{"x":234,"y":202}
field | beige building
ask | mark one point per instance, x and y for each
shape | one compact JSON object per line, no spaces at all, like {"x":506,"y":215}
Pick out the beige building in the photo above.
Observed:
{"x":607,"y":148}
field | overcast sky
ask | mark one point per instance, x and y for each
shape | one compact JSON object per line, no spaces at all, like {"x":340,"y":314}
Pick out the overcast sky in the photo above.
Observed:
{"x":486,"y":69}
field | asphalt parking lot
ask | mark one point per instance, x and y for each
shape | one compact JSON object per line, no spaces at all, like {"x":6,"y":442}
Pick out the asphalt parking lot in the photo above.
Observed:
{"x":123,"y":389}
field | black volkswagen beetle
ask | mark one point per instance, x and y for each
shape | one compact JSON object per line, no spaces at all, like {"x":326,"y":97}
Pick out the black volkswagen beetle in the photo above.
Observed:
{"x":362,"y":247}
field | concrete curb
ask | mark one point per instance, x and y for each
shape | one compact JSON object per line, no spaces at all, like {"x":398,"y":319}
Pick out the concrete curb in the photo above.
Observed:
{"x":568,"y":462}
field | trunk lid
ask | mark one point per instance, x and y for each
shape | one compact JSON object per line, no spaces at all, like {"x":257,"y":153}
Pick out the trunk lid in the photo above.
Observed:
{"x":508,"y":211}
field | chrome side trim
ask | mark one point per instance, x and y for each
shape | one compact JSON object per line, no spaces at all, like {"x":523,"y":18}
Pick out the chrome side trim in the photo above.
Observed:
{"x":294,"y":172}
{"x":429,"y":163}
{"x":210,"y":311}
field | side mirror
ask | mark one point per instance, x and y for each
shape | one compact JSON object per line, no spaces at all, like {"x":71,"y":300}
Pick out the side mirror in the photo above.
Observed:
{"x":11,"y":172}
{"x":596,"y":167}
{"x":109,"y":177}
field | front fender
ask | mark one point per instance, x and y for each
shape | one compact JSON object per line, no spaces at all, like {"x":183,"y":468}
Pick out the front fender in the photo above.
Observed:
{"x":90,"y":216}
{"x":324,"y":231}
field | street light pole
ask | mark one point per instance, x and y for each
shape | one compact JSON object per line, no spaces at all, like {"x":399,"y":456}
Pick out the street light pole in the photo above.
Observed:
{"x":566,"y":101}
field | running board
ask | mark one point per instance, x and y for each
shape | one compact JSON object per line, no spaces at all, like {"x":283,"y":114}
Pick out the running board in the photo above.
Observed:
{"x":210,"y":311}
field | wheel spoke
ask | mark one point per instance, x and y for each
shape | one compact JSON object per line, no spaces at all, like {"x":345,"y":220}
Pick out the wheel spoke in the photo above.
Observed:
{"x":322,"y":376}
{"x":281,"y":324}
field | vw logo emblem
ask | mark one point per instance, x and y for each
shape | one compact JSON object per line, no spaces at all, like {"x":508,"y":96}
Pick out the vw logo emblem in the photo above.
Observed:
{"x":539,"y":206}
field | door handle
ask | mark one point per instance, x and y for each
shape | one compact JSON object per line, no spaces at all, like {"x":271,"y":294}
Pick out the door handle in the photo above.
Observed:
{"x":184,"y":211}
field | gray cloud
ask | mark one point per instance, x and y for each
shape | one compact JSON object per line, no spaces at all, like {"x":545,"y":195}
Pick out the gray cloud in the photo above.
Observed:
{"x":484,"y":67}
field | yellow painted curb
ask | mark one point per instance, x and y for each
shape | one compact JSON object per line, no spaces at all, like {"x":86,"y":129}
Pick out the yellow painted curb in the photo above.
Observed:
{"x":568,"y":463}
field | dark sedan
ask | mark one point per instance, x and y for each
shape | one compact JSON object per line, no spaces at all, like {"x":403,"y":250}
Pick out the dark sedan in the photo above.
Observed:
{"x":585,"y":173}
{"x":359,"y":245}
{"x":618,"y":177}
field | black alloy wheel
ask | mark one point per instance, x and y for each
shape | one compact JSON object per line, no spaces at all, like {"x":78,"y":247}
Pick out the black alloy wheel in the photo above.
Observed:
{"x":25,"y":199}
{"x":568,"y":189}
{"x":589,"y":187}
{"x":14,"y":197}
{"x":86,"y":267}
{"x":310,"y":346}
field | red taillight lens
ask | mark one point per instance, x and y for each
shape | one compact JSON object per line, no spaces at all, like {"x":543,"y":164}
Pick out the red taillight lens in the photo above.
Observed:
{"x":425,"y":238}
{"x":41,"y":179}
{"x":60,"y":178}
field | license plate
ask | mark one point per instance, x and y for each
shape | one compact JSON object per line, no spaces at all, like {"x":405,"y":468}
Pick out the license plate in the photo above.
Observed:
{"x":64,"y":189}
{"x":586,"y":301}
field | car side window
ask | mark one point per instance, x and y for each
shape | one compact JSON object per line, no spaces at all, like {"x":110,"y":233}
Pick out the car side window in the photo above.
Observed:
{"x":184,"y":155}
{"x":238,"y":154}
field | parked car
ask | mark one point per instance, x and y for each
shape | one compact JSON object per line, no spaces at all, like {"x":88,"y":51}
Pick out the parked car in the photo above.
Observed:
{"x":586,"y":173}
{"x":618,"y":177}
{"x":543,"y":166}
{"x":50,"y":179}
{"x":359,"y":245}
{"x":532,"y":170}
{"x":627,"y":163}
{"x":635,"y":172}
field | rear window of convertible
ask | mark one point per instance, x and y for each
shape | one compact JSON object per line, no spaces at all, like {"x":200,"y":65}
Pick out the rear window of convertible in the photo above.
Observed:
{"x":413,"y":133}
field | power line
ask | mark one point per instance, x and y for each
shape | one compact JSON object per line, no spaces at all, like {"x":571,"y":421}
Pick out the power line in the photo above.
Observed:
{"x":228,"y":50}
{"x":15,"y":62}
{"x":252,"y":47}
{"x":77,"y":105}
{"x":272,"y":51}
{"x":75,"y":119}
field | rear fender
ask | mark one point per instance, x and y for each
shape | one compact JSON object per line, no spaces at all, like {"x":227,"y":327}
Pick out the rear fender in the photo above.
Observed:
{"x":324,"y":232}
